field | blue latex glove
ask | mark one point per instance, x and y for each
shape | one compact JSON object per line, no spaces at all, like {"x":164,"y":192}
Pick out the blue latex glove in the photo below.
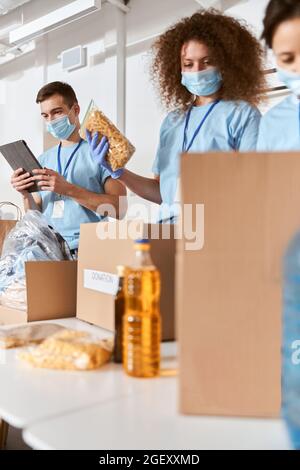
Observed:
{"x":99,"y":152}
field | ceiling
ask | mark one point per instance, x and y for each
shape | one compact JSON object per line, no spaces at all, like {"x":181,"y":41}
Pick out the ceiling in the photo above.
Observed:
{"x":9,"y":5}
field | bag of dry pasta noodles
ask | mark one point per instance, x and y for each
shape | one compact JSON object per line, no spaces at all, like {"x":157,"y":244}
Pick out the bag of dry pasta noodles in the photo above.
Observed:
{"x":120,"y":149}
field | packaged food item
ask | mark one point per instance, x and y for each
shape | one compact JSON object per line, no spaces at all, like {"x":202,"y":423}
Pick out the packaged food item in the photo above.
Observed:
{"x":69,"y":350}
{"x":25,"y":335}
{"x":120,"y":149}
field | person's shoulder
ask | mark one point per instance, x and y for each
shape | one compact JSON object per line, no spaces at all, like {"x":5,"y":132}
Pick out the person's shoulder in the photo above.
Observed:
{"x":48,"y":154}
{"x":173,"y":117}
{"x":241,"y":106}
{"x":279,"y":108}
{"x":84,"y":144}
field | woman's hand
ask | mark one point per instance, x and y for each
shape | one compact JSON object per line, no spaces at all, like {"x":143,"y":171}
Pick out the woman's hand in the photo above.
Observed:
{"x":99,"y":152}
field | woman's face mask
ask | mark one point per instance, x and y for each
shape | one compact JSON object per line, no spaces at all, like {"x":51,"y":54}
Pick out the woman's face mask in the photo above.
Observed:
{"x":204,"y":83}
{"x":61,"y":128}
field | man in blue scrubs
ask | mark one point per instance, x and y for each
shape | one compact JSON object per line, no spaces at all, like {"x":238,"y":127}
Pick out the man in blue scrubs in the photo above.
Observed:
{"x":74,"y":189}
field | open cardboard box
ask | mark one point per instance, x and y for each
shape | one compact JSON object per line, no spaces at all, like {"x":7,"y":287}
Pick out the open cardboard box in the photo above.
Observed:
{"x":51,"y":292}
{"x":229,"y":302}
{"x":97,"y":268}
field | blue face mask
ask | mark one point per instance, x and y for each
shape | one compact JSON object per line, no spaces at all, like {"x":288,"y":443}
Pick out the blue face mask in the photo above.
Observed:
{"x":290,"y":79}
{"x":204,"y":83}
{"x":61,"y":128}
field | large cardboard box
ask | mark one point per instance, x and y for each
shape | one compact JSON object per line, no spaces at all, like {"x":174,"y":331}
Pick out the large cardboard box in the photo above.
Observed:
{"x":230,"y":302}
{"x":51,"y":293}
{"x":97,"y":262}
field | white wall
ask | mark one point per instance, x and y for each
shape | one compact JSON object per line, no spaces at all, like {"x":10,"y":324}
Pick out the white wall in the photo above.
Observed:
{"x":19,"y":115}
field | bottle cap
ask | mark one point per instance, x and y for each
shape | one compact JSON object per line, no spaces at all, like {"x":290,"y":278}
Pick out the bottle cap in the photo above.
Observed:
{"x":142,"y":244}
{"x":121,"y":271}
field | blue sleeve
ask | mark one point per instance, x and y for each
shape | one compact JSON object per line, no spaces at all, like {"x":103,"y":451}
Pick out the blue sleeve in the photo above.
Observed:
{"x":248,"y":128}
{"x":103,"y":176}
{"x":156,"y":167}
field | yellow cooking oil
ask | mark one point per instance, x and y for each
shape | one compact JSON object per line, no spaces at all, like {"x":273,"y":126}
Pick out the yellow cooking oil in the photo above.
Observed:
{"x":141,"y":321}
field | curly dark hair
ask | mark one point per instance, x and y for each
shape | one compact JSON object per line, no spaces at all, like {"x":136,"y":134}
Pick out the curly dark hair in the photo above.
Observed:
{"x":233,"y":49}
{"x":278,"y":11}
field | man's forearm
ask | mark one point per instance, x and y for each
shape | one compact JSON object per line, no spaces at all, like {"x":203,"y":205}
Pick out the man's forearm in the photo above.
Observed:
{"x":104,"y":204}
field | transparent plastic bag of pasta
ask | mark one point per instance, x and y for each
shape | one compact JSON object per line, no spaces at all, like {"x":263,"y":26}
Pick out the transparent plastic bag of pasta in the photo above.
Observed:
{"x":120,"y":149}
{"x":70,"y":350}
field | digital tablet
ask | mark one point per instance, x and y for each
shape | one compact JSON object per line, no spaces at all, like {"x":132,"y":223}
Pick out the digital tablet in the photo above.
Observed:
{"x":19,"y":155}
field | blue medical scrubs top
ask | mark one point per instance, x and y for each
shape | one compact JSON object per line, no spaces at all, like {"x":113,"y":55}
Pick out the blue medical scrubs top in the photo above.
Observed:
{"x":84,"y":172}
{"x":232,"y":125}
{"x":280,"y":127}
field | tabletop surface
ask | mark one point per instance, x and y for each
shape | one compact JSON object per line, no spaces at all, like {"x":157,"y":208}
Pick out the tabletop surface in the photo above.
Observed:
{"x":29,"y":394}
{"x":106,"y":409}
{"x":150,"y":420}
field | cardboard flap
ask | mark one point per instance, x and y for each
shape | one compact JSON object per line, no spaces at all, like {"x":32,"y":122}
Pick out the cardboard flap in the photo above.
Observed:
{"x":51,"y":289}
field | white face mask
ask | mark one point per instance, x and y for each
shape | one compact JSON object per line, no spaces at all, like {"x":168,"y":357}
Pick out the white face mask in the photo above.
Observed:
{"x":204,"y":83}
{"x":290,"y":79}
{"x":61,"y":128}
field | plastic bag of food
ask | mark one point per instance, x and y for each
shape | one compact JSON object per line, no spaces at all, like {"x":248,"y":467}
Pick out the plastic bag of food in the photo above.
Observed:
{"x":120,"y":149}
{"x":70,"y":350}
{"x":19,"y":336}
{"x":30,"y":240}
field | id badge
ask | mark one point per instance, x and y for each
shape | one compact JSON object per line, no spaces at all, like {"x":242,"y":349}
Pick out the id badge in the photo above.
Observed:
{"x":58,"y":209}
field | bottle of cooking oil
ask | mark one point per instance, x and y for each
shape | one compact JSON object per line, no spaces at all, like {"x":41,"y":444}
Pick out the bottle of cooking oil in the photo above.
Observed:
{"x":119,"y":313}
{"x":141,"y":321}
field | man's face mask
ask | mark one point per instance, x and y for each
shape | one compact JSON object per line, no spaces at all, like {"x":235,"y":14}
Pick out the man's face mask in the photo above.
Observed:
{"x":290,"y":79}
{"x":61,"y":128}
{"x":204,"y":83}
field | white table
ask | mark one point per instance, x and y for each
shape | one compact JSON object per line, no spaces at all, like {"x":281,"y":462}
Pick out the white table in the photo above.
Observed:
{"x":28,"y":394}
{"x":106,"y":409}
{"x":149,"y":420}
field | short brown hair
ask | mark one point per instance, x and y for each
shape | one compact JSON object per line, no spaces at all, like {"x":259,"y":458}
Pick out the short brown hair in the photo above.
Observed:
{"x":234,"y":50}
{"x":57,"y":88}
{"x":277,"y":12}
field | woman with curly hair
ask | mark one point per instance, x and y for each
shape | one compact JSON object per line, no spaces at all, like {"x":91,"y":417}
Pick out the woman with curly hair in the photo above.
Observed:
{"x":208,"y":69}
{"x":280,"y":127}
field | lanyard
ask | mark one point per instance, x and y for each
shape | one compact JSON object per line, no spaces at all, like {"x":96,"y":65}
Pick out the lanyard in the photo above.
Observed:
{"x":69,"y":161}
{"x":185,"y":146}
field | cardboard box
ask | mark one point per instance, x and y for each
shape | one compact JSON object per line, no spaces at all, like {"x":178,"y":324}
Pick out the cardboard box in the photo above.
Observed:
{"x":230,"y":303}
{"x":97,"y":257}
{"x":51,"y":288}
{"x":5,"y":228}
{"x":51,"y":293}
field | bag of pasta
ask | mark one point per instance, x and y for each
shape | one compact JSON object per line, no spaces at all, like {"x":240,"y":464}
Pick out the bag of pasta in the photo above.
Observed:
{"x":120,"y":149}
{"x":69,"y":350}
